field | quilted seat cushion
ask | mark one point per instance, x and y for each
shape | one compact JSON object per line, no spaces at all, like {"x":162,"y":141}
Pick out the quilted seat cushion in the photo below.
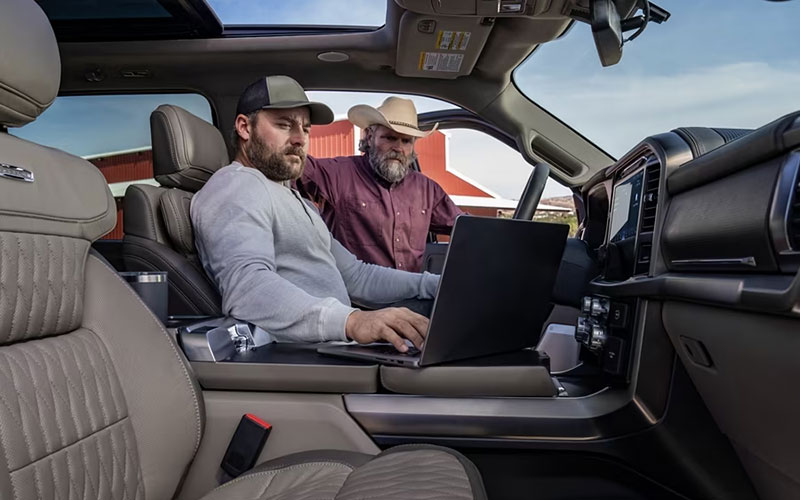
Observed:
{"x":413,"y":472}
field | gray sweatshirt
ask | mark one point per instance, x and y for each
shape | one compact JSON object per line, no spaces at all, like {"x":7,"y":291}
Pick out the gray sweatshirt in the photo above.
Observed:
{"x":277,"y":265}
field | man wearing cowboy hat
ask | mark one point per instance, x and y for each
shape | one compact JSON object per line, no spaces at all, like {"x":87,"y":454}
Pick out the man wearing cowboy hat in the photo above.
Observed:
{"x":375,"y":204}
{"x":269,"y":252}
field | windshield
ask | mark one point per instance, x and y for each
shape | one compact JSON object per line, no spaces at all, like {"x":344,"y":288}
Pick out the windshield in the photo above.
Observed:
{"x":714,"y":63}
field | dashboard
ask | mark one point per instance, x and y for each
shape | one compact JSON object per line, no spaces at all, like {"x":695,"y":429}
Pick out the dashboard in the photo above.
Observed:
{"x":715,"y":222}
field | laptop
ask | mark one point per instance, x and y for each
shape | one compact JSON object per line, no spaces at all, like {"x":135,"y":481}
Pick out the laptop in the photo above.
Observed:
{"x":493,"y":296}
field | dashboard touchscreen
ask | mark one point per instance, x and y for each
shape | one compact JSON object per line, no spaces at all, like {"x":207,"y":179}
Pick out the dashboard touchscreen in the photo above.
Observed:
{"x":625,"y":209}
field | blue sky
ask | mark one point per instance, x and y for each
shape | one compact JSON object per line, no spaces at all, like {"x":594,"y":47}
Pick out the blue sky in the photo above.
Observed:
{"x":714,"y":63}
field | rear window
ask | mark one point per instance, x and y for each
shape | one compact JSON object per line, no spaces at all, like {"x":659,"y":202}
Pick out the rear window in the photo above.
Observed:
{"x":111,"y":131}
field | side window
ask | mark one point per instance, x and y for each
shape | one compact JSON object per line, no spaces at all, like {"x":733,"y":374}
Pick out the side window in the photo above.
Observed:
{"x":112,"y":132}
{"x":486,"y":177}
{"x":482,"y":175}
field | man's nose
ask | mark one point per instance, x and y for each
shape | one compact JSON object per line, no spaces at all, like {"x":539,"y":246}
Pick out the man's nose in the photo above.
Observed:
{"x":298,"y":138}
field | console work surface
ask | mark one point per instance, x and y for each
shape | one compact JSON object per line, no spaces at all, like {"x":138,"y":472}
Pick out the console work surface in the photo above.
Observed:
{"x":299,"y":368}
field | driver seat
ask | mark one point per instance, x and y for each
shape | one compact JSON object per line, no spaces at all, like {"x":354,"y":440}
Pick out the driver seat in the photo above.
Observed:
{"x":158,"y":231}
{"x":96,"y":399}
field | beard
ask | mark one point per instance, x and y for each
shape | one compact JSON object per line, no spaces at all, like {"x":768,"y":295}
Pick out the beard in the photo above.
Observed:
{"x":275,"y":165}
{"x":391,"y":166}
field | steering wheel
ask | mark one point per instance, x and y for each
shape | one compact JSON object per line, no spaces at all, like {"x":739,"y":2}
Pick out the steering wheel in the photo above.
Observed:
{"x":533,"y":192}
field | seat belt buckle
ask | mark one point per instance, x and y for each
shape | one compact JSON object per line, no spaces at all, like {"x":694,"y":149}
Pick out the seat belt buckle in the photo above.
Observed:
{"x":246,"y":445}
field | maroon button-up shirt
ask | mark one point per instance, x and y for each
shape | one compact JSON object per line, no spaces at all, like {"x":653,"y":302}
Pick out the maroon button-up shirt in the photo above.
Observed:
{"x":381,"y":223}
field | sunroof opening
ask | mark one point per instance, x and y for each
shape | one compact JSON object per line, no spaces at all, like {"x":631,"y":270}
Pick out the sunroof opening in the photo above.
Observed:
{"x":71,"y":10}
{"x":362,"y":13}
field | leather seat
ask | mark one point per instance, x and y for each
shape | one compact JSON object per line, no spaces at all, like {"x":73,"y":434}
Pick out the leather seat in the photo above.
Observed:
{"x":96,"y":400}
{"x":158,"y":231}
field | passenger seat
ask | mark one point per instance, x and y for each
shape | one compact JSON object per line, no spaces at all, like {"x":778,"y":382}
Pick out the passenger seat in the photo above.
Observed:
{"x":96,"y":400}
{"x":158,"y":231}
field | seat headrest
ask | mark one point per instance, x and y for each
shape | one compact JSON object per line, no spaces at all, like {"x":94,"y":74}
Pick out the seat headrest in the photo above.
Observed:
{"x":46,"y":191}
{"x":186,"y":149}
{"x":30,"y":67}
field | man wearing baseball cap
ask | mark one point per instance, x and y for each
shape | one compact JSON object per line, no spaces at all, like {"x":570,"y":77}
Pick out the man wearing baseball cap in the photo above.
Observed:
{"x":269,"y":252}
{"x":375,"y":204}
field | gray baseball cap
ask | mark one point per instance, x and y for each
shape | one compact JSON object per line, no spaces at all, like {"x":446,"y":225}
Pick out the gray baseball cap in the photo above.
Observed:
{"x":281,"y":92}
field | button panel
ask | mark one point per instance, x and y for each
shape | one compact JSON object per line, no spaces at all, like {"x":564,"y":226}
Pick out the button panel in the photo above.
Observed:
{"x":604,"y":329}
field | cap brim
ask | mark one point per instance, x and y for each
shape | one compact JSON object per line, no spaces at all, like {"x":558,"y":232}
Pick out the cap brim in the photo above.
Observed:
{"x":363,"y":116}
{"x":320,"y":113}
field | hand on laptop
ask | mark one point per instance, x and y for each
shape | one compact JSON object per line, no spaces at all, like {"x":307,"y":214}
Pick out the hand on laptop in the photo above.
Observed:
{"x":392,"y":324}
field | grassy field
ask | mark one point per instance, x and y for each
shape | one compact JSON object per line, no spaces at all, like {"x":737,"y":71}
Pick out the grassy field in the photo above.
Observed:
{"x":556,"y":218}
{"x":570,"y":219}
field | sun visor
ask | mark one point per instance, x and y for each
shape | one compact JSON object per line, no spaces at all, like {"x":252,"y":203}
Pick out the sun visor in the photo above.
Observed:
{"x":439,"y":47}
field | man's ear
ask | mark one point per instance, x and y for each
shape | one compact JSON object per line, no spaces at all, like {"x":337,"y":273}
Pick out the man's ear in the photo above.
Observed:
{"x":242,"y":126}
{"x":369,"y":133}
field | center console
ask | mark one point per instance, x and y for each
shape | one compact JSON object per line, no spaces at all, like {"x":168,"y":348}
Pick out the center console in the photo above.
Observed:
{"x":605,"y":326}
{"x":230,"y":355}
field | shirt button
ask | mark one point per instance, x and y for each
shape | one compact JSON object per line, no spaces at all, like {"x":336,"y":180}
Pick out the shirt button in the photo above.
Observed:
{"x":398,"y":213}
{"x":397,"y":239}
{"x":423,"y":212}
{"x":363,"y":204}
{"x":400,"y":265}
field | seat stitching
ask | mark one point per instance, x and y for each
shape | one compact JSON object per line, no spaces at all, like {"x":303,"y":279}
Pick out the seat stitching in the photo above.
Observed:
{"x":281,"y":469}
{"x":40,"y":399}
{"x":51,"y":258}
{"x":88,"y":478}
{"x":103,"y":409}
{"x":4,"y":447}
{"x":120,"y":408}
{"x":77,"y":444}
{"x":103,"y":468}
{"x":35,"y":295}
{"x":84,"y":384}
{"x":124,"y":460}
{"x":70,"y":383}
{"x":70,"y":475}
{"x":52,"y":385}
{"x":21,"y":399}
{"x":3,"y":291}
{"x":20,"y":295}
{"x":36,"y":483}
{"x":35,"y":277}
{"x":77,"y":277}
{"x":55,"y":479}
{"x":92,"y":421}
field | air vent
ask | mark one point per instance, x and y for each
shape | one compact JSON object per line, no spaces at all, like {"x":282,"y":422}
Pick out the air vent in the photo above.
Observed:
{"x":793,"y":221}
{"x":648,"y":222}
{"x":650,"y":198}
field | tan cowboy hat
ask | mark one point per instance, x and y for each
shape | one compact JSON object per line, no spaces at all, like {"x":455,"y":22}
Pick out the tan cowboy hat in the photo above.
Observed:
{"x":395,"y":113}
